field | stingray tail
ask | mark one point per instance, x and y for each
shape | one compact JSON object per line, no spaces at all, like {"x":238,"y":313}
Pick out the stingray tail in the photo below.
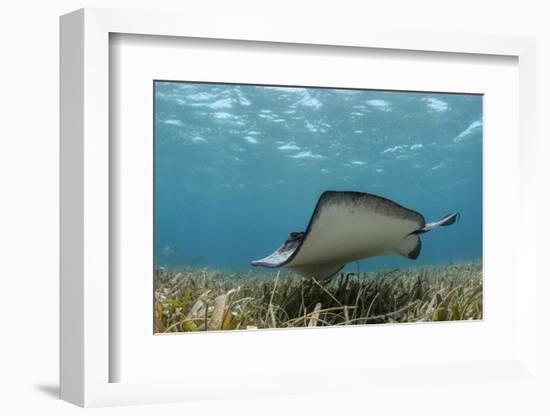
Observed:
{"x":448,"y":219}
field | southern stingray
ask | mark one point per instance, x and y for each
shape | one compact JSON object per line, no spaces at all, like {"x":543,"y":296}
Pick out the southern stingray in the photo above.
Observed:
{"x":348,"y":226}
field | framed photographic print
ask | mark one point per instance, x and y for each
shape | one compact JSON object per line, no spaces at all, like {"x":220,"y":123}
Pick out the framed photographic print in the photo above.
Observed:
{"x":323,"y":201}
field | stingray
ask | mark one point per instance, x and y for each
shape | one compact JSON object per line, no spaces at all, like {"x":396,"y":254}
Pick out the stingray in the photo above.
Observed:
{"x":348,"y":226}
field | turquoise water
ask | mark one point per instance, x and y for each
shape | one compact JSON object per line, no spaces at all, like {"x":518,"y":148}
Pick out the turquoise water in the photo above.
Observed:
{"x":238,"y":167}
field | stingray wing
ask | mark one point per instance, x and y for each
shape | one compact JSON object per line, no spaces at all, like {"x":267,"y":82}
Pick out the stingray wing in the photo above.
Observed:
{"x":348,"y":226}
{"x":281,"y":256}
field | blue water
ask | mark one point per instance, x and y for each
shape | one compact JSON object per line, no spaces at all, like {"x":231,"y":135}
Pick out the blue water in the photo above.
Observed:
{"x":238,"y":167}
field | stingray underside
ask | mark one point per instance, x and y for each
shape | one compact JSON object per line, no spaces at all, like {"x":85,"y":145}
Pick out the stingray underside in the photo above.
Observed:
{"x":348,"y":226}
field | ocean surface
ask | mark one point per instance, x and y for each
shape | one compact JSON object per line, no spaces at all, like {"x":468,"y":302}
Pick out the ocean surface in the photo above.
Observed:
{"x":238,"y":167}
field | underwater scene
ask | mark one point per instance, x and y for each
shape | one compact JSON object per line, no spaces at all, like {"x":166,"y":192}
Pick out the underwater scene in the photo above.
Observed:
{"x":285,"y":207}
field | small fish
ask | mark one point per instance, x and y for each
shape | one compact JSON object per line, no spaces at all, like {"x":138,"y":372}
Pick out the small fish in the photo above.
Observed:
{"x":168,"y":250}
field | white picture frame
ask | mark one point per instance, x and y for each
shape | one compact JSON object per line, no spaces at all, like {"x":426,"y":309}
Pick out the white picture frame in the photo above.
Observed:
{"x":86,"y":356}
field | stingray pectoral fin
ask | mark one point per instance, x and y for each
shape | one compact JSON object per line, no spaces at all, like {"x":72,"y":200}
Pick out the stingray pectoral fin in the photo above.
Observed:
{"x":282,"y":255}
{"x":318,"y":271}
{"x":349,"y":226}
{"x":410,"y":247}
{"x":448,"y":219}
{"x":276,"y":259}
